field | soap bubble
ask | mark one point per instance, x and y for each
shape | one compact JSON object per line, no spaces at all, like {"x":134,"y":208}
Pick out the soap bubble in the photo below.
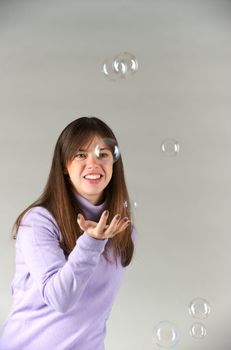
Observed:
{"x":125,"y":63}
{"x":170,"y":147}
{"x":125,"y":204}
{"x":198,"y":330}
{"x":199,"y":308}
{"x":134,"y":204}
{"x":109,"y":70}
{"x":165,"y":334}
{"x":107,"y":148}
{"x":120,"y":66}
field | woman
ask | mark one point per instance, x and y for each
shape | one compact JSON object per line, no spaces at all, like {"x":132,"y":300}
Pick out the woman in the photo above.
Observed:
{"x":72,"y":246}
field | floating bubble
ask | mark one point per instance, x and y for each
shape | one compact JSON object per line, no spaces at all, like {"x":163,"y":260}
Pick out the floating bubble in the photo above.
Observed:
{"x":106,"y":150}
{"x":134,"y":204}
{"x":198,"y":330}
{"x":165,"y":334}
{"x":199,"y":308}
{"x":109,"y":70}
{"x":125,"y":204}
{"x":125,"y":63}
{"x":170,"y":147}
{"x":120,"y":66}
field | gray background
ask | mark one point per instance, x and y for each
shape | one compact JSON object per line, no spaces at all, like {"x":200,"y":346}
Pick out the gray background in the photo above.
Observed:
{"x":51,"y":53}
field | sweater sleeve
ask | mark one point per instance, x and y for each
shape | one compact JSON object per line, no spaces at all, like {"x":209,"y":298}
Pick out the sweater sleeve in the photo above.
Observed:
{"x":60,"y":281}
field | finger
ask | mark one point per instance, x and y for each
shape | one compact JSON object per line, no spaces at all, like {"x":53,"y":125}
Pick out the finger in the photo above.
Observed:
{"x":124,"y":223}
{"x":82,"y":222}
{"x":86,"y":223}
{"x":113,"y":225}
{"x":100,"y":227}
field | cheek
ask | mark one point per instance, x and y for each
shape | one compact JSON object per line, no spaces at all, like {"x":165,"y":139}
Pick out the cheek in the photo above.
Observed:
{"x":74,"y":171}
{"x":109,"y":171}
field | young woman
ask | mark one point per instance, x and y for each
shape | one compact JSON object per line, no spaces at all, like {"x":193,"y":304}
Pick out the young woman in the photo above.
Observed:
{"x":72,"y":246}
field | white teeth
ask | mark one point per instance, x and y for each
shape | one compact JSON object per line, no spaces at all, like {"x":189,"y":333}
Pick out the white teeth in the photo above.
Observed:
{"x":92,"y":177}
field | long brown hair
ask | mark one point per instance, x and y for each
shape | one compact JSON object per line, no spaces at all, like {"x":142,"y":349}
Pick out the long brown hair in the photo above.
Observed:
{"x":59,"y":199}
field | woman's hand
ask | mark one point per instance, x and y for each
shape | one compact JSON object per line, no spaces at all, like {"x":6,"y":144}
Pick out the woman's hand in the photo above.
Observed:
{"x":101,"y":230}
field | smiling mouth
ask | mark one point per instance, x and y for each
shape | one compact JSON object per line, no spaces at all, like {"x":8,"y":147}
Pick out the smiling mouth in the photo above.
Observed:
{"x":93,"y":177}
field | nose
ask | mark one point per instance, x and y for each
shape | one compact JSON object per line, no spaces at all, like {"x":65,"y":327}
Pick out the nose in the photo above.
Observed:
{"x":92,"y":161}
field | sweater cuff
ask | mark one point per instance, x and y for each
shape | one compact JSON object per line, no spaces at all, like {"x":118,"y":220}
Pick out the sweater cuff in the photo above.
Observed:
{"x":87,"y":242}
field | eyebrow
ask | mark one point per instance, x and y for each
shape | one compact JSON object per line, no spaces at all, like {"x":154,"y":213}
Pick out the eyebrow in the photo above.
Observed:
{"x":85,"y":150}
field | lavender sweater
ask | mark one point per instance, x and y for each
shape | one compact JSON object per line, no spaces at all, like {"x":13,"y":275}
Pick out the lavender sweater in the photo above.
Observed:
{"x":59,"y":303}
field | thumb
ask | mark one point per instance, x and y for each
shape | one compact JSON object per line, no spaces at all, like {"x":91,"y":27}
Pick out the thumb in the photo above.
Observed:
{"x":81,"y":222}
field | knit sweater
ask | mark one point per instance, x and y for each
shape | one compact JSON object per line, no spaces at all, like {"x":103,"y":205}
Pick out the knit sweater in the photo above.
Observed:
{"x":59,"y":302}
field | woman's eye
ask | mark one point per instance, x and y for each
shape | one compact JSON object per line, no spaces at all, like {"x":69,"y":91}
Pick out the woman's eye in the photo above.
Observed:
{"x":81,"y":155}
{"x":104,"y":155}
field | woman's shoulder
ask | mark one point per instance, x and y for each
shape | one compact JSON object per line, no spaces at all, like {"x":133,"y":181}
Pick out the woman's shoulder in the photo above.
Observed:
{"x":38,"y":216}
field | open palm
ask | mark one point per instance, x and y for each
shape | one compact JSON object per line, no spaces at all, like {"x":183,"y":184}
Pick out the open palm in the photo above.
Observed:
{"x":102,"y":230}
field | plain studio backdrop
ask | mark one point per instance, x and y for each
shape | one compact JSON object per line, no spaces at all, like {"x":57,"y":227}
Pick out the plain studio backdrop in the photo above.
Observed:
{"x":51,"y":54}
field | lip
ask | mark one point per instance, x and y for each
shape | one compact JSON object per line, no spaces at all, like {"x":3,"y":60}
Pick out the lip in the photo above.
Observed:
{"x":84,"y":176}
{"x":94,"y":181}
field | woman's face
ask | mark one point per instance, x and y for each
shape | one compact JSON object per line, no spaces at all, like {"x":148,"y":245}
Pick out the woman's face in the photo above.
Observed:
{"x":90,"y":173}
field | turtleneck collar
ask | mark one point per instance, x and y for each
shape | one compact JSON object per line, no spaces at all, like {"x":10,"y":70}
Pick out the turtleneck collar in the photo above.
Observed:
{"x":91,"y":211}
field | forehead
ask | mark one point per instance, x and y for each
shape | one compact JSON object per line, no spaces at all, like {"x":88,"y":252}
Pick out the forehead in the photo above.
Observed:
{"x":92,"y":143}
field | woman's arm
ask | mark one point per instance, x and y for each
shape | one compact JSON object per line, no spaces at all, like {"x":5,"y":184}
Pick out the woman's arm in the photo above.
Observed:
{"x":60,"y":281}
